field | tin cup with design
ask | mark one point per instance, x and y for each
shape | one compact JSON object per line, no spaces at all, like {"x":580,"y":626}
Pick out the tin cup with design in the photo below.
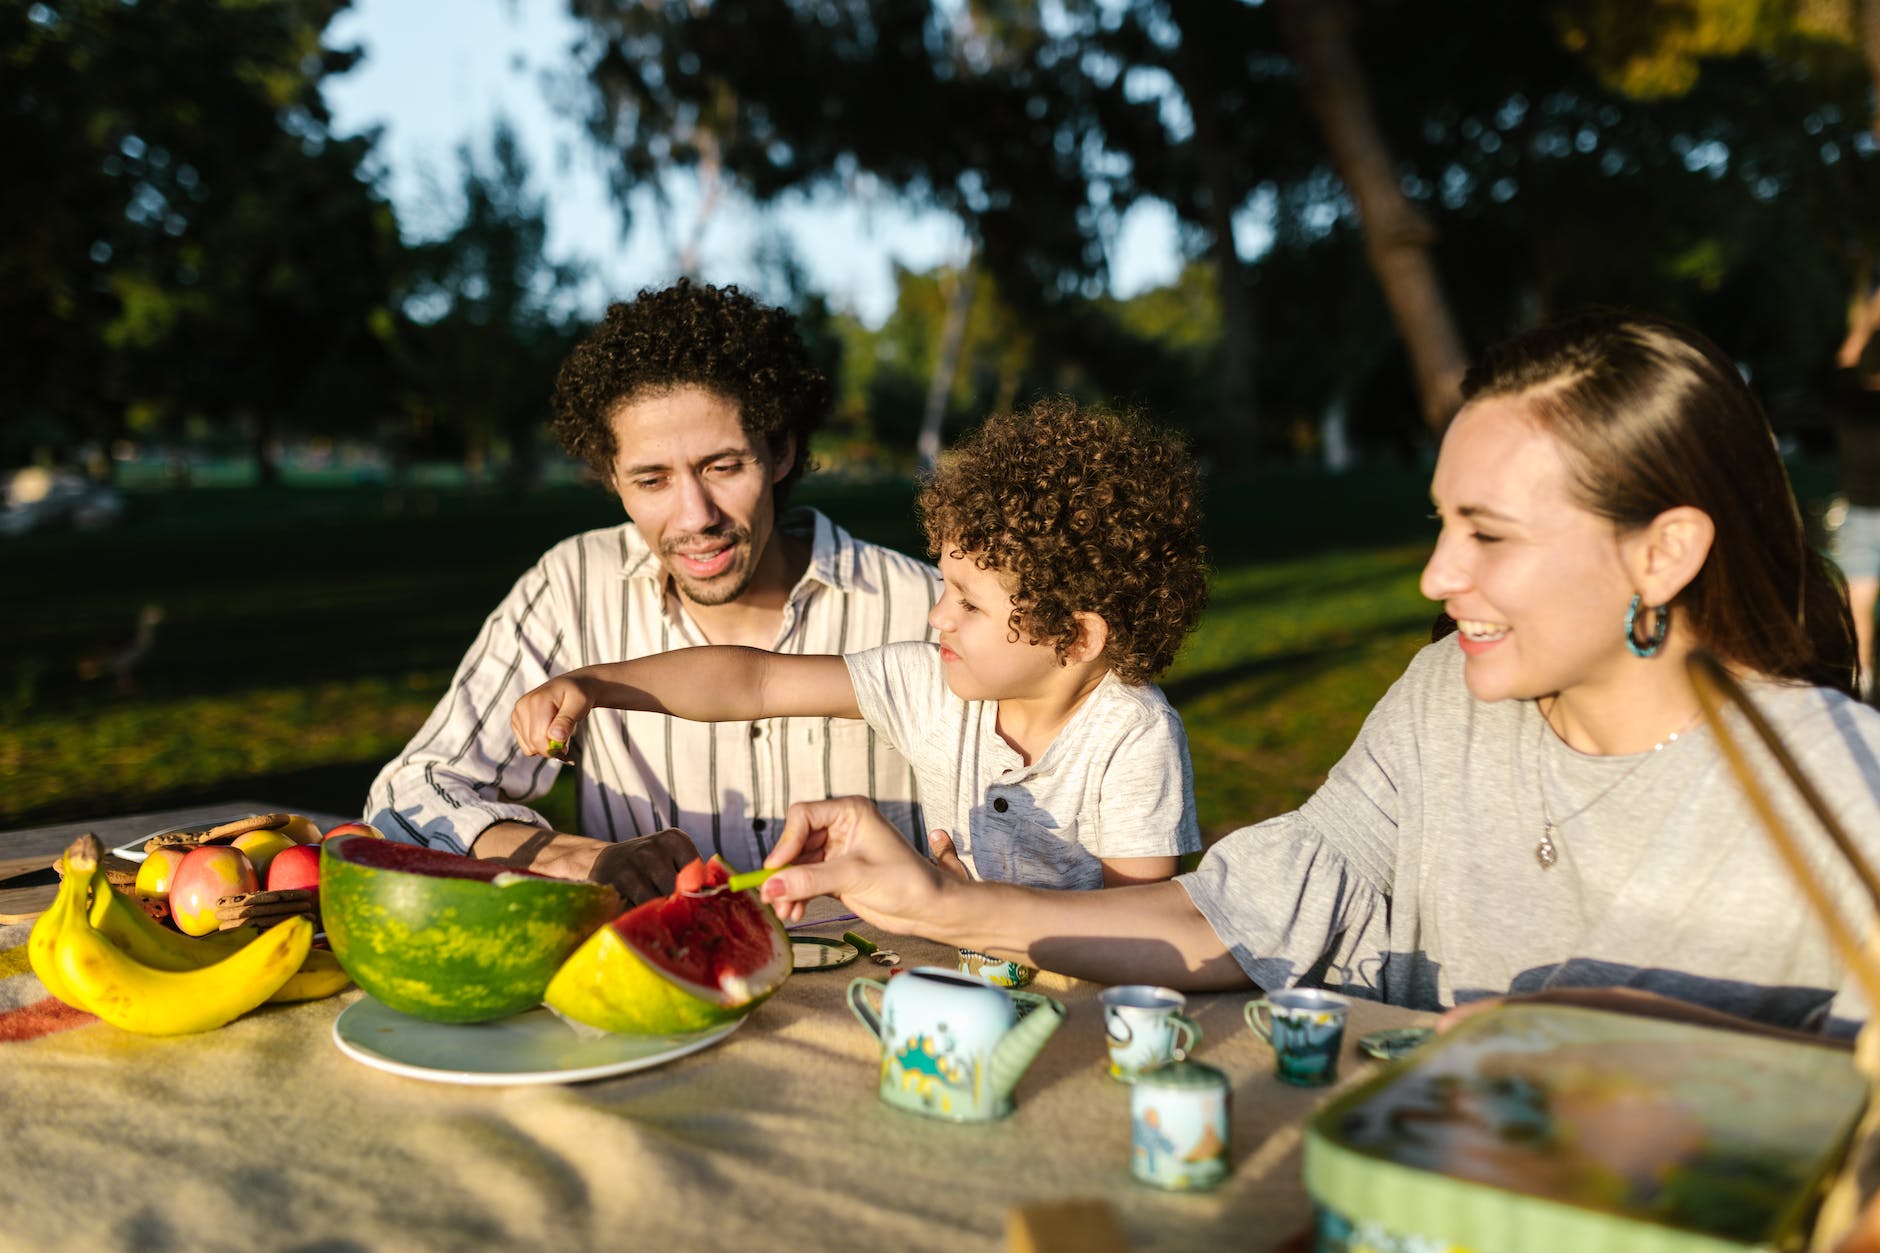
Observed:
{"x":952,"y":1046}
{"x":1146,"y":1027}
{"x":998,"y":971}
{"x":1306,"y":1028}
{"x":1178,"y":1126}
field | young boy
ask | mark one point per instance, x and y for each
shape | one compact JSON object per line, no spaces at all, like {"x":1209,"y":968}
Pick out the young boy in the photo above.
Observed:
{"x":1069,"y":541}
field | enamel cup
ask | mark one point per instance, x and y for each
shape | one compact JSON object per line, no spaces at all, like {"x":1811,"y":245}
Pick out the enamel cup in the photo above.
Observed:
{"x":1306,"y":1028}
{"x":1146,"y":1027}
{"x":952,"y":1046}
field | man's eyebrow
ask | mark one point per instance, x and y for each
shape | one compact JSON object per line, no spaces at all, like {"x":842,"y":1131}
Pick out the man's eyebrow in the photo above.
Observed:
{"x":661,"y":467}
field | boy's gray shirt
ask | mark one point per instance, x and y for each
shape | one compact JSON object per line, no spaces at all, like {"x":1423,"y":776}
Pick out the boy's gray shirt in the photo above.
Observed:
{"x":1411,"y":875}
{"x":1116,"y":782}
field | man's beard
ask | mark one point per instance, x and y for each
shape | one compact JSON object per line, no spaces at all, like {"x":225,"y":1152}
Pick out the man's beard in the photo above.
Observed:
{"x":721,"y":588}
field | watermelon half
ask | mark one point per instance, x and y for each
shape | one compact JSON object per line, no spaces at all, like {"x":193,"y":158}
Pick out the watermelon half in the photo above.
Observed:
{"x":450,"y":938}
{"x":678,"y":964}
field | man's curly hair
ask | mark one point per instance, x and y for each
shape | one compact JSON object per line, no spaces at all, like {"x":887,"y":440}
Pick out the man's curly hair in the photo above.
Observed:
{"x":1088,"y":511}
{"x":715,"y":338}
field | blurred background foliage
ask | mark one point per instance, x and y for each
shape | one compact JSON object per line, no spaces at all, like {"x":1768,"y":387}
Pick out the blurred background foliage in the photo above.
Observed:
{"x":201,"y":283}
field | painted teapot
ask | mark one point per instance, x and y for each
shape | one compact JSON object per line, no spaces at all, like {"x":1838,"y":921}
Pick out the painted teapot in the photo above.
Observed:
{"x":952,"y":1046}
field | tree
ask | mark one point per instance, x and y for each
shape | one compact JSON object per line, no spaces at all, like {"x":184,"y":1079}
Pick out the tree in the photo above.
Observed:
{"x":489,"y":310}
{"x":1398,"y":238}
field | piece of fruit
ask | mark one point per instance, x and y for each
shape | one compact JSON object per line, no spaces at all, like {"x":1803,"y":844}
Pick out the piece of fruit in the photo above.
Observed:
{"x":319,"y":975}
{"x":42,"y":943}
{"x":296,"y":867}
{"x":451,"y":938}
{"x":681,"y":963}
{"x":126,"y":924}
{"x":158,"y":872}
{"x":262,"y":847}
{"x":207,"y":873}
{"x":300,"y":829}
{"x":354,"y":828}
{"x":130,"y":995}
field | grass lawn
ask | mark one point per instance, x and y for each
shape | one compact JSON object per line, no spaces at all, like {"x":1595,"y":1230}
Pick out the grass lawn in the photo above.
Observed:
{"x":306,"y":632}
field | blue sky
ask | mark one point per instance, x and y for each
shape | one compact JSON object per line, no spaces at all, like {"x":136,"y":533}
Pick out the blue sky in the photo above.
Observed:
{"x":438,"y":73}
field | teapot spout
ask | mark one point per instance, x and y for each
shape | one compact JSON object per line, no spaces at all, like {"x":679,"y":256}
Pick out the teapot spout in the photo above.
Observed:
{"x":1014,"y":1053}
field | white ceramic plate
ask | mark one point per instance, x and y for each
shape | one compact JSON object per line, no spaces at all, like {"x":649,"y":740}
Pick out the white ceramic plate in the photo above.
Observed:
{"x":531,"y":1047}
{"x":134,"y":851}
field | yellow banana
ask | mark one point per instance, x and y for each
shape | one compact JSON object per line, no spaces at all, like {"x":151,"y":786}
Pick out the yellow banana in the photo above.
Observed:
{"x":135,"y":997}
{"x":320,"y":975}
{"x":126,"y":925}
{"x":42,"y":944}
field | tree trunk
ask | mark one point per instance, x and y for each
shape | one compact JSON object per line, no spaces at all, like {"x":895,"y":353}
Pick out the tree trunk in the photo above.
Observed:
{"x":1397,"y":237}
{"x":1237,"y":409}
{"x":946,"y":365}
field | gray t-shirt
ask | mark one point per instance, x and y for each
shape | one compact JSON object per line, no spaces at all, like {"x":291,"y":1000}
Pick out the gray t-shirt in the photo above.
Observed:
{"x":1411,"y":875}
{"x":1116,"y":782}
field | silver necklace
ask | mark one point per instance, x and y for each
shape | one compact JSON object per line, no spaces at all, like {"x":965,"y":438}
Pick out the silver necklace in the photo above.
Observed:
{"x":1546,"y":852}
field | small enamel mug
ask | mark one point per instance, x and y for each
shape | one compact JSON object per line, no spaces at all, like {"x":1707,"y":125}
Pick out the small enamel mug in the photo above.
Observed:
{"x":952,"y":1046}
{"x":1306,"y":1028}
{"x":1178,"y":1126}
{"x":1146,"y":1027}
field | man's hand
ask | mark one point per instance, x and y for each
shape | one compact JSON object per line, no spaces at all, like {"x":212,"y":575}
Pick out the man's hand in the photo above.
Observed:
{"x":544,"y":719}
{"x":646,"y":867}
{"x":845,"y":848}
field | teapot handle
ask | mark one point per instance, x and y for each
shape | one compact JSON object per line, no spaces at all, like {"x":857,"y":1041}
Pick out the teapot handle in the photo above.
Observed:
{"x":870,"y":1015}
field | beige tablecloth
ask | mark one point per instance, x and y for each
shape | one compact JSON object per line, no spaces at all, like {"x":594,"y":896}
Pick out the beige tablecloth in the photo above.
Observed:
{"x":263,"y":1135}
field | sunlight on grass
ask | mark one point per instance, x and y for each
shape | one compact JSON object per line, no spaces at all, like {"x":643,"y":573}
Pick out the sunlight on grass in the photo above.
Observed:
{"x":1277,"y":679}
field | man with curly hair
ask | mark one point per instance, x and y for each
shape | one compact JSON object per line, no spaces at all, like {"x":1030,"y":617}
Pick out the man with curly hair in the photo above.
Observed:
{"x":695,"y":405}
{"x":1069,"y":542}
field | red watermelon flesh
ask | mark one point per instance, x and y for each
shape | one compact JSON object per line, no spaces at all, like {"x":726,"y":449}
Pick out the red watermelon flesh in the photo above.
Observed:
{"x":699,"y":875}
{"x":716,"y":941}
{"x":391,"y":855}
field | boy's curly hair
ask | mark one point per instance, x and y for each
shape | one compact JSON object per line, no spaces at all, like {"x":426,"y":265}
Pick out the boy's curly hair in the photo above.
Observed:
{"x":1086,"y":510}
{"x":716,"y":338}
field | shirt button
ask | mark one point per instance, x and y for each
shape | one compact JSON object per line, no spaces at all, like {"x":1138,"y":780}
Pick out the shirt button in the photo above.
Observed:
{"x":998,"y":803}
{"x":758,"y":826}
{"x":757,"y":732}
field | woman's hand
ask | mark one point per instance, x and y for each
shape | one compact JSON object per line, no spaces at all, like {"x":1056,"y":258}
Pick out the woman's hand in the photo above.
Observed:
{"x":544,"y":720}
{"x":845,"y":848}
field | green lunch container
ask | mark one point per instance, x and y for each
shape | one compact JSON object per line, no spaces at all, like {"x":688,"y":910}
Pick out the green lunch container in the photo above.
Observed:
{"x":1544,"y":1129}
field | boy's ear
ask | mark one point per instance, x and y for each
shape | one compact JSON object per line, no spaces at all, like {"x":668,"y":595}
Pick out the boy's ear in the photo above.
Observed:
{"x":1093,"y":635}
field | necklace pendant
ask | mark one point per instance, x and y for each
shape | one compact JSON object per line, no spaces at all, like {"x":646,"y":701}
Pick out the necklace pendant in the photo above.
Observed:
{"x":1545,"y":853}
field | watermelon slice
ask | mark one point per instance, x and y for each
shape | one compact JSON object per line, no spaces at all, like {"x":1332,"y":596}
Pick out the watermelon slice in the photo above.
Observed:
{"x":678,"y":964}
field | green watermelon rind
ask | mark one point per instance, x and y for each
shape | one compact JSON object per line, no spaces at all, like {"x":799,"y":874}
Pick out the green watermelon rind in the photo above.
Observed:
{"x":454,"y":950}
{"x":606,"y":984}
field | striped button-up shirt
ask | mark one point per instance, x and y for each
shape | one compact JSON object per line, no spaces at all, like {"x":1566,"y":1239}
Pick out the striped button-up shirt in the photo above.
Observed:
{"x":602,"y":597}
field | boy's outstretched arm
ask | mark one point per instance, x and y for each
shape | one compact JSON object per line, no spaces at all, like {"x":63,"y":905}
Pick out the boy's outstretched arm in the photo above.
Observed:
{"x":717,"y":683}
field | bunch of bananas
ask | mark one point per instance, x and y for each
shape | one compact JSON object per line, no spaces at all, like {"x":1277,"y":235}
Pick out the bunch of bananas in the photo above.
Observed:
{"x":97,"y":950}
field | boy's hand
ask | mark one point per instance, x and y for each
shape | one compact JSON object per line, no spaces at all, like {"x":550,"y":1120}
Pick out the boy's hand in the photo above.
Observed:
{"x":544,"y":720}
{"x":942,"y":854}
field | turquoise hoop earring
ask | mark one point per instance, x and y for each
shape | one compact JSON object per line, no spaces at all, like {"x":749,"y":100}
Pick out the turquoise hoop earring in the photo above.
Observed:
{"x":1650,"y":647}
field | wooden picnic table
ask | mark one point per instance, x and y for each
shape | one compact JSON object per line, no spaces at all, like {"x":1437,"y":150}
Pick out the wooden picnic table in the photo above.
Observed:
{"x":265,"y":1135}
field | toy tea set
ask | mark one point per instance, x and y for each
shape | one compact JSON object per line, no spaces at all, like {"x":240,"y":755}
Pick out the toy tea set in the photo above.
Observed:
{"x":954,"y":1044}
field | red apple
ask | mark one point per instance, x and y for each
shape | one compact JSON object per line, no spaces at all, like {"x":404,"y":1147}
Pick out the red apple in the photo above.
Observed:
{"x":296,"y":867}
{"x":355,"y":828}
{"x":204,"y":875}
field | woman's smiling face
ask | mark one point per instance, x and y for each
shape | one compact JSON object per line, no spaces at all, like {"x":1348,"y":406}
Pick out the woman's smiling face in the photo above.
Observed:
{"x":1534,"y":580}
